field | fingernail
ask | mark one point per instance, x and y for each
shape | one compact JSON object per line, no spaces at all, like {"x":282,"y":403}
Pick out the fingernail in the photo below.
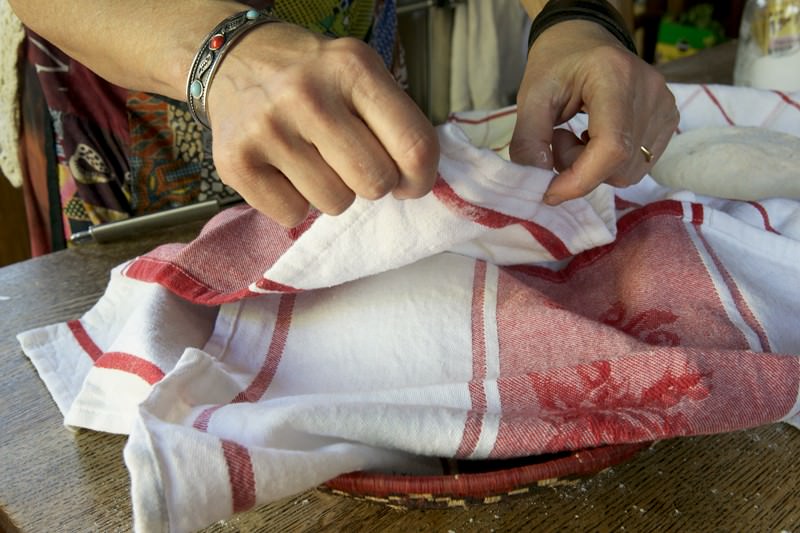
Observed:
{"x":552,"y":199}
{"x":543,"y":158}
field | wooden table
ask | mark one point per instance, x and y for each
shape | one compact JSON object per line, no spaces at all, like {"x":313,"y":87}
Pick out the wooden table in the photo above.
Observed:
{"x":52,"y":480}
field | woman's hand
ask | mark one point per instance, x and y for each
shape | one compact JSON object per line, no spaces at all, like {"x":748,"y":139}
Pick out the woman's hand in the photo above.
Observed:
{"x":578,"y":66}
{"x":299,"y":118}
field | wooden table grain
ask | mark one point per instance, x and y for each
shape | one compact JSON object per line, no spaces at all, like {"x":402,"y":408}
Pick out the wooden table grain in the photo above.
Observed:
{"x":54,"y":480}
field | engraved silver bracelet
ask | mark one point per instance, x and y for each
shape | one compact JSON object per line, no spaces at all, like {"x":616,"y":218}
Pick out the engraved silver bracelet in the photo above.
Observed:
{"x":210,"y":55}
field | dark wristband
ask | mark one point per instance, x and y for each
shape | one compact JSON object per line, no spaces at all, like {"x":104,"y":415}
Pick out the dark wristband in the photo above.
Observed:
{"x":598,"y":11}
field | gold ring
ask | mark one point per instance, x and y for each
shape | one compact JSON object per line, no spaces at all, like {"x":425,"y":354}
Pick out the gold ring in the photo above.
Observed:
{"x":648,"y":155}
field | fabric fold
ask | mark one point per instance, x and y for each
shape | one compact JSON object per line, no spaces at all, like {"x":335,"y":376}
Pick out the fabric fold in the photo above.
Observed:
{"x":475,"y":323}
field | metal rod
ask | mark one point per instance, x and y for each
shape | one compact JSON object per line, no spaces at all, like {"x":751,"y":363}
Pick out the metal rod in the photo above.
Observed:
{"x":415,"y":6}
{"x":424,"y":4}
{"x":132,"y":227}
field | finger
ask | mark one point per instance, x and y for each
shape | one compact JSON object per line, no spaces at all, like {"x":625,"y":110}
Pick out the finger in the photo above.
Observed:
{"x":566,"y":148}
{"x":313,"y":178}
{"x":399,"y":125}
{"x":266,"y":189}
{"x":609,"y":148}
{"x":245,"y":168}
{"x":653,"y":142}
{"x":355,"y":155}
{"x":650,"y":138}
{"x":533,"y":132}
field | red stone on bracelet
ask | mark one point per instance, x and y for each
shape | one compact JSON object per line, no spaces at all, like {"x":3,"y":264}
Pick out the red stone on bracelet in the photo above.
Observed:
{"x":216,"y":42}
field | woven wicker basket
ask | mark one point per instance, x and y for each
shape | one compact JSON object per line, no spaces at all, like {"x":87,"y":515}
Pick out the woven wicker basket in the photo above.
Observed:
{"x":481,"y":482}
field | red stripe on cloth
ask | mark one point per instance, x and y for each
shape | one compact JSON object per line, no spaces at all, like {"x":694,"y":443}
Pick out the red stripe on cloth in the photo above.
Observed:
{"x":501,"y":148}
{"x":627,"y":223}
{"x":261,"y":382}
{"x":201,"y":422}
{"x":180,"y":282}
{"x":698,"y":214}
{"x":671,"y":208}
{"x":683,"y":105}
{"x":621,"y":204}
{"x":713,"y":98}
{"x":689,"y":99}
{"x":474,"y":422}
{"x":741,"y":304}
{"x":132,"y":364}
{"x":237,"y":457}
{"x":454,"y":118}
{"x":84,"y":340}
{"x":283,"y":323}
{"x":765,"y":216}
{"x":493,"y":219}
{"x":785,"y":98}
{"x":273,"y":286}
{"x":241,"y":475}
{"x":125,"y":362}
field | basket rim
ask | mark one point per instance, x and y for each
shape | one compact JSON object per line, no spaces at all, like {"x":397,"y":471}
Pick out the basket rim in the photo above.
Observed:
{"x":579,"y":463}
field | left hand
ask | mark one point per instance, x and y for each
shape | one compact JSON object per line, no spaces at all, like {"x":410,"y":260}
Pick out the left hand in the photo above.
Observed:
{"x":579,"y":66}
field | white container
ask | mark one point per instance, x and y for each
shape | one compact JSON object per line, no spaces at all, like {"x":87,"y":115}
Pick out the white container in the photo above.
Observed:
{"x":768,"y":56}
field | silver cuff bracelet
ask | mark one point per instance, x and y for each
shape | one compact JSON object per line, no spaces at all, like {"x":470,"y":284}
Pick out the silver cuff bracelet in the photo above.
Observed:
{"x":211,"y":53}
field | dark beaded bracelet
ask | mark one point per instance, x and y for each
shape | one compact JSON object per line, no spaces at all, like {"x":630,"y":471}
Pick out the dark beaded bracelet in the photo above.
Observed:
{"x":598,"y":11}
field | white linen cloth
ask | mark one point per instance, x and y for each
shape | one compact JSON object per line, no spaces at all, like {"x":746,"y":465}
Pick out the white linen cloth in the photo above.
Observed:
{"x":488,"y":53}
{"x":256,"y":362}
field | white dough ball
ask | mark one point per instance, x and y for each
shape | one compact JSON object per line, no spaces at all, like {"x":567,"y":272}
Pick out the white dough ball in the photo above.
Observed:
{"x":741,"y":163}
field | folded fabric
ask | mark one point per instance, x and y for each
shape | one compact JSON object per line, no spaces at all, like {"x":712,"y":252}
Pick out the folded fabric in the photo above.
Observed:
{"x":256,"y":362}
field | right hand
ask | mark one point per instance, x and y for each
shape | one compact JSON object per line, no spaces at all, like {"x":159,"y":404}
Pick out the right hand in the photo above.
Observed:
{"x":299,"y":118}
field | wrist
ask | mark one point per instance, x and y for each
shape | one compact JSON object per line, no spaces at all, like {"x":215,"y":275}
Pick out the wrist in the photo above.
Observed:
{"x":217,"y":43}
{"x":599,"y":12}
{"x":170,"y":68}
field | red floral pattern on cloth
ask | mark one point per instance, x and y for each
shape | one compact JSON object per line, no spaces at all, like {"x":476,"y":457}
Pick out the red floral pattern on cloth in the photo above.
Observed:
{"x":647,"y":326}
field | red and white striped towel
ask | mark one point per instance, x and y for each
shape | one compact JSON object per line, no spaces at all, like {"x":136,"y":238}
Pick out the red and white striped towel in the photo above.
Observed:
{"x":256,"y":362}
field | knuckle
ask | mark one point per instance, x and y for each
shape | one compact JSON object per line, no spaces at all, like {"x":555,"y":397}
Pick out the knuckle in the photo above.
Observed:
{"x":300,"y":90}
{"x":614,"y":58}
{"x":359,"y":67}
{"x":376,"y":188}
{"x":619,"y":147}
{"x":657,"y":79}
{"x":288,"y":218}
{"x":353,"y":59}
{"x":421,"y":152}
{"x":295,"y":218}
{"x":620,"y":181}
{"x":233,"y":169}
{"x":353,"y":53}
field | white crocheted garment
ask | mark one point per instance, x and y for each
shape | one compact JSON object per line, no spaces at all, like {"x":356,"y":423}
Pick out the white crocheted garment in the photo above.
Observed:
{"x":12,"y":32}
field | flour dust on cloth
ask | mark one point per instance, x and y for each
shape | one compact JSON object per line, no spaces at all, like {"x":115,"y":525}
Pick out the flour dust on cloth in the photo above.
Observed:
{"x":255,"y":362}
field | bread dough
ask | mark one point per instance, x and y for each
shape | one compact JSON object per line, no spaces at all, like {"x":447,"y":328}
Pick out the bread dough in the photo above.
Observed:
{"x":742,"y":163}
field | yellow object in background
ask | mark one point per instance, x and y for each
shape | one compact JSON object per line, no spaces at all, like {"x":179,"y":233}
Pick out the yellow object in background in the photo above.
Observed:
{"x":768,"y":56}
{"x":688,"y":33}
{"x":776,"y":26}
